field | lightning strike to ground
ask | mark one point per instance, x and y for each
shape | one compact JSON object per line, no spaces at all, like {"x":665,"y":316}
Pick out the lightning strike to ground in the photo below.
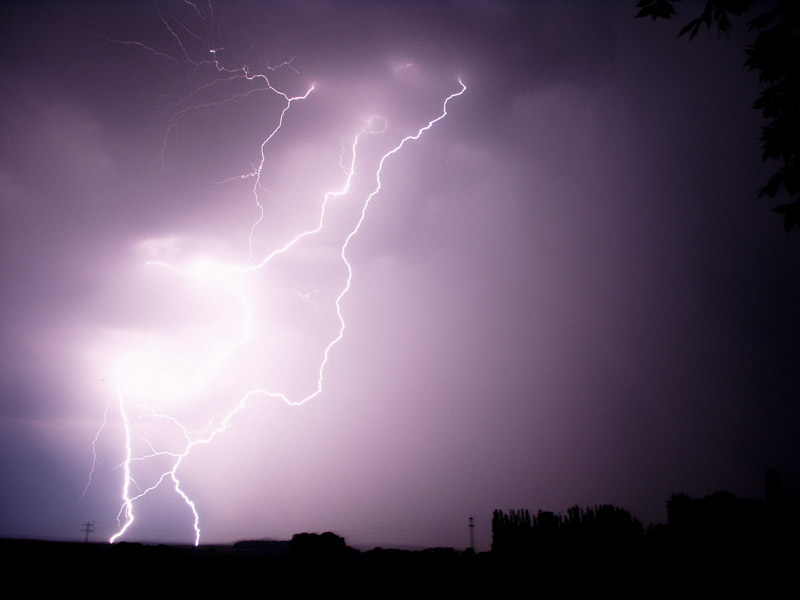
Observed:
{"x":140,"y":372}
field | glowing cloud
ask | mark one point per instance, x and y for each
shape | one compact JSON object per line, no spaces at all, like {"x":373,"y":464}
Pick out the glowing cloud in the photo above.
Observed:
{"x":170,"y":382}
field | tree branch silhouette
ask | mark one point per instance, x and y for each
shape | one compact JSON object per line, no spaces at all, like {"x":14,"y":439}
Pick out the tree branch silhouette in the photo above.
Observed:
{"x":773,"y":55}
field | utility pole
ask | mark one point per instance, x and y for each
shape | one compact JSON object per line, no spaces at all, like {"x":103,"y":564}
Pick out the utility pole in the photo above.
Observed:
{"x":88,"y":527}
{"x":471,"y":533}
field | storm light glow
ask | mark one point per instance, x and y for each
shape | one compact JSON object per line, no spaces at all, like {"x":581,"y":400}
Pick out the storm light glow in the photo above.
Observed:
{"x":161,"y":385}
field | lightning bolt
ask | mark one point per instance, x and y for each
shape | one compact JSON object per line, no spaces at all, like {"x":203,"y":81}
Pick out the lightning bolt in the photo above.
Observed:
{"x":93,"y":448}
{"x":147,"y":369}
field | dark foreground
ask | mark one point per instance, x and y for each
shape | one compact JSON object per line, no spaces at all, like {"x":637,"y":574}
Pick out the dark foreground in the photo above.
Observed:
{"x":656,"y":567}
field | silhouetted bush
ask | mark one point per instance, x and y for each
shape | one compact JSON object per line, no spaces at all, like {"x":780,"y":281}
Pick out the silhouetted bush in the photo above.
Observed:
{"x":315,"y":546}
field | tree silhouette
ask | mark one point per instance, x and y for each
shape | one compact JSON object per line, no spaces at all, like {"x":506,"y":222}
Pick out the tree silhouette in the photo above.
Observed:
{"x":774,"y":56}
{"x":552,"y":535}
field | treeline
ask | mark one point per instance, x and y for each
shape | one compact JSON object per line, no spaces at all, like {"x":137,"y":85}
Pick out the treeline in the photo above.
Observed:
{"x":719,"y":535}
{"x":716,"y":545}
{"x":519,"y":531}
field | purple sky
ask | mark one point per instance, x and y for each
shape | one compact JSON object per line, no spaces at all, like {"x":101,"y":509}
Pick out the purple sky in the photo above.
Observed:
{"x":564,"y":293}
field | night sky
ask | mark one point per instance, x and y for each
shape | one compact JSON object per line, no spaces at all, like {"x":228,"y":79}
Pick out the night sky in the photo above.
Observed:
{"x":565,"y":292}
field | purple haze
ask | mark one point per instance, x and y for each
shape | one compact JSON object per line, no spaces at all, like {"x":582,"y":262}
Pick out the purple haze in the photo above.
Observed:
{"x":564,"y":294}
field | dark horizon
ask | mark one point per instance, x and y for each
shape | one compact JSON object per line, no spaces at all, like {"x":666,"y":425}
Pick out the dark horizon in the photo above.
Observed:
{"x":719,"y":542}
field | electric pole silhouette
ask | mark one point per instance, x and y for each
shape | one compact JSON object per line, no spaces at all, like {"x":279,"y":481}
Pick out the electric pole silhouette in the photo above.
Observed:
{"x":88,"y":527}
{"x":471,"y":533}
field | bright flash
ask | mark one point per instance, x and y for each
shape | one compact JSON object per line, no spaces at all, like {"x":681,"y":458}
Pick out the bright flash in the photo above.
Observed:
{"x":154,"y":379}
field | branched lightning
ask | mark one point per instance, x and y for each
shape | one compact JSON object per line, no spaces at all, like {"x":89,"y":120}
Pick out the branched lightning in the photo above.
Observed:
{"x":93,"y":448}
{"x":229,"y":279}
